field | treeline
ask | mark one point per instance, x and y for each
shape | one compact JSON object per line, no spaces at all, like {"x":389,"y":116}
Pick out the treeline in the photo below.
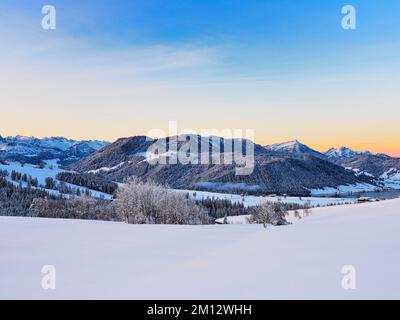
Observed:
{"x":17,"y":200}
{"x":220,"y":208}
{"x":85,"y":208}
{"x":49,"y":184}
{"x":19,"y":177}
{"x":88,"y":180}
{"x":64,"y":188}
{"x":136,"y":202}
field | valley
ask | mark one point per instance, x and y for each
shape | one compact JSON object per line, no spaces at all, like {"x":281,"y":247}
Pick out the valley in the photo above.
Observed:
{"x":289,"y":168}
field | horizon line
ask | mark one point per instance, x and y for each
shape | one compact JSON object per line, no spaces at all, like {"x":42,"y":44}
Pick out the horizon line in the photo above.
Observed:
{"x":391,"y":154}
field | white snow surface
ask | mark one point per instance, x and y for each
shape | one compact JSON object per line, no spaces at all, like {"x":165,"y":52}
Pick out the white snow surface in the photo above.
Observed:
{"x":115,"y":260}
{"x":345,"y":189}
{"x":106,"y":169}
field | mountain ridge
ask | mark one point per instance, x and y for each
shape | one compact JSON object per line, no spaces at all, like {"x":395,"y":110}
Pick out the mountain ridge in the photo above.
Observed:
{"x":274,"y":164}
{"x":274,"y":171}
{"x":35,"y":150}
{"x":294,"y":146}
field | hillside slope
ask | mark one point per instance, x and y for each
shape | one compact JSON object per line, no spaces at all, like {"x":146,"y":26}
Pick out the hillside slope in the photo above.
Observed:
{"x":381,"y":167}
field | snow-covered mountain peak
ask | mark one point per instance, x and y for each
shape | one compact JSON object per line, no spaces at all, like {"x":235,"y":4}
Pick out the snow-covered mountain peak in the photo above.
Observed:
{"x":288,"y":146}
{"x":344,"y":152}
{"x":294,"y":146}
{"x":31,"y":148}
{"x":21,"y":137}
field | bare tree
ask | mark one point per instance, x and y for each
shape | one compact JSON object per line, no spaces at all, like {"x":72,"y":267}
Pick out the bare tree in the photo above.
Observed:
{"x":307,"y":210}
{"x":40,"y":207}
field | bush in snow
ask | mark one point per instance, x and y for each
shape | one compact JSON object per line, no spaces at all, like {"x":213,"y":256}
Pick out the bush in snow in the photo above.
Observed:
{"x":307,"y":210}
{"x":269,"y":214}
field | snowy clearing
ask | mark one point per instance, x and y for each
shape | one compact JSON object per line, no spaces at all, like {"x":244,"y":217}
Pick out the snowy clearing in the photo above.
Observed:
{"x":345,"y":189}
{"x":391,"y":179}
{"x":244,"y":219}
{"x":257,"y":200}
{"x":116,"y":260}
{"x":49,"y":171}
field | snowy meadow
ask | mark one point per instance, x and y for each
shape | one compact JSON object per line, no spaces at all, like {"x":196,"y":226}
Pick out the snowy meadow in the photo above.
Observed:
{"x":308,"y":259}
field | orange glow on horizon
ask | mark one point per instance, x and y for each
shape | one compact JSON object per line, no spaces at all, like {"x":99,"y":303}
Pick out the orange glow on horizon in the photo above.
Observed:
{"x":390,"y":149}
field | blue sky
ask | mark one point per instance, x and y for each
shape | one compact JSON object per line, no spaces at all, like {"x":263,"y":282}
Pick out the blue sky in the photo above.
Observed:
{"x":284,"y":68}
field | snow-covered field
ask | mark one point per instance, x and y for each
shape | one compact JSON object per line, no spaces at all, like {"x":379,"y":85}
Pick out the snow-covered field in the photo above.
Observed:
{"x":291,"y":217}
{"x":116,"y":260}
{"x":345,"y":189}
{"x":257,"y":200}
{"x":391,"y":178}
{"x":50,"y":170}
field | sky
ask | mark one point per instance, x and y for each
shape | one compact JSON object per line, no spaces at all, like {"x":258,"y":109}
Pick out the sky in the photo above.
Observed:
{"x":286,"y":69}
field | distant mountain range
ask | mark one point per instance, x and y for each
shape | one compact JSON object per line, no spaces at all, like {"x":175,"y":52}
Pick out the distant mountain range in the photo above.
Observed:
{"x":382,"y":167}
{"x":340,"y":153}
{"x":35,"y":150}
{"x":297,"y":147}
{"x":343,"y":153}
{"x":290,"y":167}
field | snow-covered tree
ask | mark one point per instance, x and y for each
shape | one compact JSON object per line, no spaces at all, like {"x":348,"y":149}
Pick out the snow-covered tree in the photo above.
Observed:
{"x":269,"y":214}
{"x":140,"y":203}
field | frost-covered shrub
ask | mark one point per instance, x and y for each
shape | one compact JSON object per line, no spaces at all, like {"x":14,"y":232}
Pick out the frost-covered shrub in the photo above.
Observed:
{"x":139,"y":203}
{"x":269,"y":214}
